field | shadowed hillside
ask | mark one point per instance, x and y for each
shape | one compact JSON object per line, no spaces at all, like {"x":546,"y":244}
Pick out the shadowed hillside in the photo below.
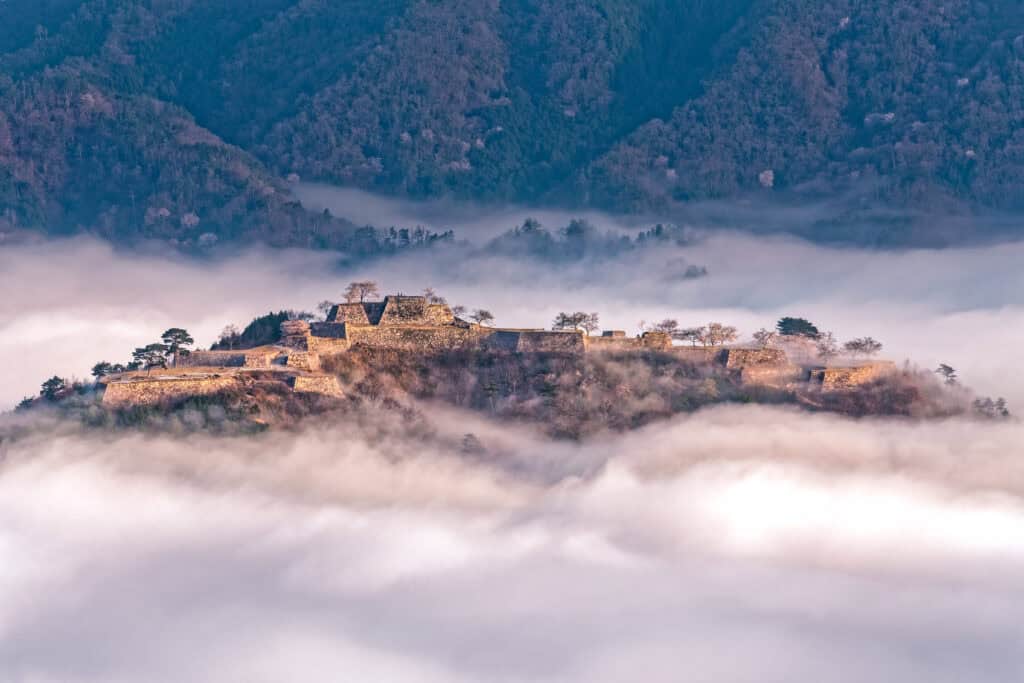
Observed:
{"x":140,"y":119}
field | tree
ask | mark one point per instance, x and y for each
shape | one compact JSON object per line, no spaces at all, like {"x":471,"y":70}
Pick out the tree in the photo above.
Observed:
{"x":359,"y":291}
{"x":177,"y":342}
{"x":827,"y":347}
{"x":765,"y":337}
{"x":151,"y":356}
{"x":863,"y":346}
{"x":717,"y":334}
{"x":694,"y":335}
{"x":567,"y":321}
{"x":580,"y":321}
{"x":986,"y":407}
{"x":103,"y":369}
{"x":324,"y":308}
{"x":458,"y":310}
{"x":53,"y":388}
{"x":228,"y":337}
{"x":797,"y":327}
{"x":482,"y":317}
{"x":432,"y":298}
{"x":947,"y":373}
{"x":668,"y":326}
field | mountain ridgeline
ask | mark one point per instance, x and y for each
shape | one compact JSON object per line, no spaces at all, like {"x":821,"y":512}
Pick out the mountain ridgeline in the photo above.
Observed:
{"x":188,"y":120}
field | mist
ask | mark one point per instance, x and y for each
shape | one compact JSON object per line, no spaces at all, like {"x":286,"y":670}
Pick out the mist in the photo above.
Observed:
{"x":739,"y":544}
{"x":72,"y":303}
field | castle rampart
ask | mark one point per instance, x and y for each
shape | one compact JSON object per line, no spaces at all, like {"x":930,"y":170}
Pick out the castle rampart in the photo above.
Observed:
{"x":533,"y":341}
{"x":261,"y":357}
{"x":616,"y":340}
{"x":416,"y":325}
{"x":851,"y":376}
{"x":413,"y":338}
{"x":148,"y":391}
{"x":325,"y":385}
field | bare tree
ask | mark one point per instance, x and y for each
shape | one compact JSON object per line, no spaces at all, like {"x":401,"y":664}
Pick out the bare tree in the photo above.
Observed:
{"x":765,"y":337}
{"x":568,"y":321}
{"x":229,"y":336}
{"x":717,"y":334}
{"x":482,"y":317}
{"x":580,"y":321}
{"x":432,"y":298}
{"x":359,"y":291}
{"x":863,"y":346}
{"x":458,"y":310}
{"x":668,"y":326}
{"x":827,"y":346}
{"x":694,"y":335}
{"x":324,"y":308}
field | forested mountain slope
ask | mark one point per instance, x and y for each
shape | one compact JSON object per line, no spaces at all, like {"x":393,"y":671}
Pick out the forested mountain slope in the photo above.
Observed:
{"x":179,"y":118}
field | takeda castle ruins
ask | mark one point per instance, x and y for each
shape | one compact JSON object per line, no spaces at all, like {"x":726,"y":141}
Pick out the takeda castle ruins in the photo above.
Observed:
{"x":416,"y":324}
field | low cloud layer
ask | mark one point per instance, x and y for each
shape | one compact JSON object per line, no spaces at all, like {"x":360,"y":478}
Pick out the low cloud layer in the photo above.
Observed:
{"x":740,"y":544}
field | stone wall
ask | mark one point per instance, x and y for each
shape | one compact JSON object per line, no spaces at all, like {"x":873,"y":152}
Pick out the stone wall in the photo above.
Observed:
{"x":660,"y":341}
{"x":325,"y":385}
{"x":851,"y":376}
{"x":745,"y":358}
{"x":609,"y":343}
{"x":215,"y":359}
{"x":326,"y":345}
{"x":262,"y":357}
{"x":394,"y":310}
{"x":427,"y":338}
{"x":149,"y":391}
{"x":700,"y":355}
{"x":301,"y":360}
{"x":533,"y":341}
{"x":294,"y":334}
{"x":332,"y":330}
{"x":771,"y":375}
{"x":414,"y":310}
{"x":349,"y":313}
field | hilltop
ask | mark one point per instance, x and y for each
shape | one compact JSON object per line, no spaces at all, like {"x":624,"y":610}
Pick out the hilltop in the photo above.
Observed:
{"x":403,"y":352}
{"x":190,"y":121}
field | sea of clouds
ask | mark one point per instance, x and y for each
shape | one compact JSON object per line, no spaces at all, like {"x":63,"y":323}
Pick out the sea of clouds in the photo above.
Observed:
{"x":741,"y":543}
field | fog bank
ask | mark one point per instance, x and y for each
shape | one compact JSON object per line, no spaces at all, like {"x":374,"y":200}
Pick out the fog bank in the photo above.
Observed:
{"x":740,"y":544}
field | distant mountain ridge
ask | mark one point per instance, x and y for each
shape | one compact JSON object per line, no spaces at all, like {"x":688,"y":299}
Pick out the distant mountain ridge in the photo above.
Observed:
{"x":185,"y":119}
